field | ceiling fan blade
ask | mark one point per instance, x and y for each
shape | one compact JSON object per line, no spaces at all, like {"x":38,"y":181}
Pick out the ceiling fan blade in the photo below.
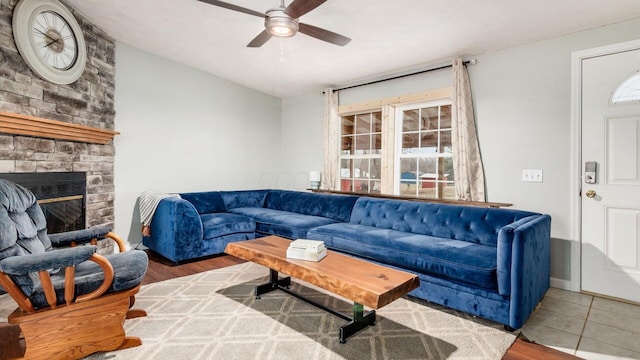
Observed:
{"x":233,"y":7}
{"x":300,"y":7}
{"x":259,"y":40}
{"x":322,"y":34}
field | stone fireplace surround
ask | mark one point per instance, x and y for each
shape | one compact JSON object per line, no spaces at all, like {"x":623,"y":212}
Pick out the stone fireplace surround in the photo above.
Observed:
{"x":88,"y":102}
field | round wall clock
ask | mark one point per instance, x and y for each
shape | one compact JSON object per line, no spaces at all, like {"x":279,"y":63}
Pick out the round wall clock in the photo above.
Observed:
{"x":50,"y":40}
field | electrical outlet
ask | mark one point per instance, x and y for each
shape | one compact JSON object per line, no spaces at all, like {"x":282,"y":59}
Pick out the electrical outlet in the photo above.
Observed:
{"x":532,"y":175}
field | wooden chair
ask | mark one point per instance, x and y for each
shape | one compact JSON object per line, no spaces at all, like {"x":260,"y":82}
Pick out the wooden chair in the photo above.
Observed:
{"x":72,"y":302}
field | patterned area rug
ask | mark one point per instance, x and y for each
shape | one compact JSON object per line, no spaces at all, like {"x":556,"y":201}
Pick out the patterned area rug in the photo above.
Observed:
{"x":214,"y":315}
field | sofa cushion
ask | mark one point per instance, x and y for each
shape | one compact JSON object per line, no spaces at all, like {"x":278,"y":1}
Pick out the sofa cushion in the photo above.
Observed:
{"x":283,"y":223}
{"x":244,"y":198}
{"x":336,"y":207}
{"x":205,"y":202}
{"x":456,"y":222}
{"x":220,"y":224}
{"x":454,"y":259}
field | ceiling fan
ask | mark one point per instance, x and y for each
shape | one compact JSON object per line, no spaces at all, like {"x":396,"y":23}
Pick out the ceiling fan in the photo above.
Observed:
{"x":283,"y":22}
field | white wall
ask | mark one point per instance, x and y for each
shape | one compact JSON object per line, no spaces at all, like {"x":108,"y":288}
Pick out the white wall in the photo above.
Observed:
{"x":522,"y":100}
{"x":184,"y":130}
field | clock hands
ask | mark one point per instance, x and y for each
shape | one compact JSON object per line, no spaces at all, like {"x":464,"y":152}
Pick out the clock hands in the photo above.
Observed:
{"x":53,"y":40}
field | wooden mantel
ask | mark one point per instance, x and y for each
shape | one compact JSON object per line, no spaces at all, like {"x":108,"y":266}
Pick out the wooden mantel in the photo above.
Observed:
{"x":18,"y":124}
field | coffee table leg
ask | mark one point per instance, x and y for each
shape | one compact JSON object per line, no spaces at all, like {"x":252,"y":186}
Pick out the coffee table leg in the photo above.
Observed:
{"x":359,"y":322}
{"x":273,"y":284}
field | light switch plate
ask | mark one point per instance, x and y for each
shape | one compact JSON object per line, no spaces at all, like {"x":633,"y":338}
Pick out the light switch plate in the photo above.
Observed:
{"x":532,"y":175}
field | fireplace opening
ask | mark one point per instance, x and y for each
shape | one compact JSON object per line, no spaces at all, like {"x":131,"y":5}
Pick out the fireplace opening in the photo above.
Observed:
{"x":62,"y":197}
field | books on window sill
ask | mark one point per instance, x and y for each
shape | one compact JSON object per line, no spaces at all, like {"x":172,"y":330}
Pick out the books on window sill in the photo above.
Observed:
{"x":303,"y":249}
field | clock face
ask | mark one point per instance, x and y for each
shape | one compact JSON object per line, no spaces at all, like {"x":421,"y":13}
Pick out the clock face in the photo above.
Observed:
{"x":54,"y":39}
{"x":50,"y":40}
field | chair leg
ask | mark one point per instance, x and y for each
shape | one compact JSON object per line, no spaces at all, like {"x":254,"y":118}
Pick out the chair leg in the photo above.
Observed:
{"x":136,"y":313}
{"x":130,"y":342}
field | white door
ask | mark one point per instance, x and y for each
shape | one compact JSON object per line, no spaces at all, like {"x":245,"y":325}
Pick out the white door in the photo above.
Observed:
{"x":611,"y":206}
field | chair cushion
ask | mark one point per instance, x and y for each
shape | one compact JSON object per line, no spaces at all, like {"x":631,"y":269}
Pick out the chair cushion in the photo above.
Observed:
{"x":463,"y":261}
{"x":129,"y":270}
{"x":283,"y":223}
{"x":220,"y":224}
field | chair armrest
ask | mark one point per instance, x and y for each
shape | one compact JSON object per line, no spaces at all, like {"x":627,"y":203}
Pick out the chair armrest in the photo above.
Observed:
{"x":23,"y":265}
{"x":66,"y":239}
{"x":77,"y":237}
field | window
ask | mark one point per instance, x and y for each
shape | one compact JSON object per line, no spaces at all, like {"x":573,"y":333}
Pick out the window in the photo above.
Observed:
{"x":360,"y":152}
{"x":425,"y":164}
{"x":398,"y":146}
{"x":628,"y":90}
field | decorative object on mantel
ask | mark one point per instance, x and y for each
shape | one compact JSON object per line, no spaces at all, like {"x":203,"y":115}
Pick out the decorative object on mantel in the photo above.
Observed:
{"x":314,"y":179}
{"x":49,"y":40}
{"x":18,"y":124}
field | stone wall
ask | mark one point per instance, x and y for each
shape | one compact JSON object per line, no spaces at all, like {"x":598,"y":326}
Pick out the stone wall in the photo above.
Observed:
{"x":88,"y":101}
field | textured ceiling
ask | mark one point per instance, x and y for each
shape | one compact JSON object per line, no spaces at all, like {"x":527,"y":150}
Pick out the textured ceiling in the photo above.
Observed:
{"x":388,"y":37}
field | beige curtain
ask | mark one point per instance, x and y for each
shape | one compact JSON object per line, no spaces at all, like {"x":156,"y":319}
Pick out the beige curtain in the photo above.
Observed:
{"x":331,"y":135}
{"x":467,"y":164}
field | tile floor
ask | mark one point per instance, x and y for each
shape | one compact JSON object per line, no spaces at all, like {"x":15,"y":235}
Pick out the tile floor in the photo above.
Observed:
{"x":586,"y":326}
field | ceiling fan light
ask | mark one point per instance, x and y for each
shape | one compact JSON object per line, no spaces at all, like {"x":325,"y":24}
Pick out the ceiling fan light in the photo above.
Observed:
{"x":280,"y":24}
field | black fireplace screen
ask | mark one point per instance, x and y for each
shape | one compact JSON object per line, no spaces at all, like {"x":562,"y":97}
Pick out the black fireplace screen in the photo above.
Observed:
{"x":60,"y":195}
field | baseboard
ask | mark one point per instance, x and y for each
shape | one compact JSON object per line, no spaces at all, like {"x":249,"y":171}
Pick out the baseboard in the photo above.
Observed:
{"x":561,"y":283}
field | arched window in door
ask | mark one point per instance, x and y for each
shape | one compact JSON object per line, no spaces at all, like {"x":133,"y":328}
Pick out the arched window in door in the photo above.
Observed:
{"x":628,"y":91}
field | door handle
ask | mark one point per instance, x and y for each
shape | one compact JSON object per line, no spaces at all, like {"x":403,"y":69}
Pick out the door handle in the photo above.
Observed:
{"x":590,"y":193}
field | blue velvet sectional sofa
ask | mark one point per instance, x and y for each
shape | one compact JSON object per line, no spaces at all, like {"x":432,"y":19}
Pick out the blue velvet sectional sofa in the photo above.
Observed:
{"x":489,"y":262}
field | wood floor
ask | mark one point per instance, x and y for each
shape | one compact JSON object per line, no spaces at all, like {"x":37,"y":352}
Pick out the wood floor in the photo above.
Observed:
{"x":161,"y":269}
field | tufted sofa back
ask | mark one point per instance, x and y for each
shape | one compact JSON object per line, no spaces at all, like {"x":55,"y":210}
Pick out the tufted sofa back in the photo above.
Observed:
{"x":23,"y":227}
{"x":466,"y":223}
{"x":336,"y":207}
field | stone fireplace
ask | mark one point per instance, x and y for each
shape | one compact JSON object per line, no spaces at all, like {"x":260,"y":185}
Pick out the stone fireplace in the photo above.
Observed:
{"x":85,"y":103}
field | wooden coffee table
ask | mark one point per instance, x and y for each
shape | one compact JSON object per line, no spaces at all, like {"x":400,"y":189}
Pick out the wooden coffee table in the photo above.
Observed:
{"x":365,"y":283}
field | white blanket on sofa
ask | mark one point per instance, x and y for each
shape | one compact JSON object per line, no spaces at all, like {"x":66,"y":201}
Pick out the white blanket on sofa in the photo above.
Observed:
{"x":147,"y":204}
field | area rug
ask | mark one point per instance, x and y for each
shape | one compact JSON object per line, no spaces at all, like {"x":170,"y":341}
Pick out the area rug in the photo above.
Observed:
{"x":214,"y":315}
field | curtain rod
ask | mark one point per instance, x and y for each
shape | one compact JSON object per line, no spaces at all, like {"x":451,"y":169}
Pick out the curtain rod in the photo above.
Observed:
{"x":472,"y":62}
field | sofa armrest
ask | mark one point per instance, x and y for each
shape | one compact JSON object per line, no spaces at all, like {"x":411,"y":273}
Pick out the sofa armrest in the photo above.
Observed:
{"x":176,"y":229}
{"x":523,"y":261}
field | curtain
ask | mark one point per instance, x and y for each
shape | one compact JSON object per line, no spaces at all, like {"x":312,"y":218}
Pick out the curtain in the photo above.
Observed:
{"x":331,"y":135}
{"x":467,"y":163}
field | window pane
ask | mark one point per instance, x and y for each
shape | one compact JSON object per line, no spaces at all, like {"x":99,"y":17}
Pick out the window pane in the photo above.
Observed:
{"x":445,"y":142}
{"x":448,"y":190}
{"x":376,"y":168}
{"x":410,"y":143}
{"x":629,"y":90}
{"x":346,"y":167}
{"x":376,"y":187}
{"x":376,"y":144}
{"x":363,"y":123}
{"x":408,"y":170}
{"x":363,"y":144}
{"x":447,"y":169}
{"x":430,"y":118}
{"x":361,"y":168}
{"x":429,"y":142}
{"x":347,"y":125}
{"x":346,"y":185}
{"x":427,"y":168}
{"x":347,"y":145}
{"x":377,"y":121}
{"x":445,"y":117}
{"x":410,"y":120}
